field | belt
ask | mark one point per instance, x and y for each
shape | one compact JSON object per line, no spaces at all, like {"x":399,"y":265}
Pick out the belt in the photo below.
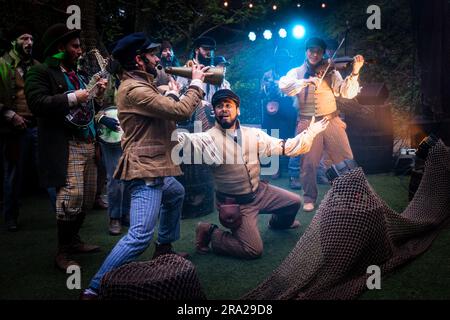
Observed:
{"x":318,"y":118}
{"x":239,"y":198}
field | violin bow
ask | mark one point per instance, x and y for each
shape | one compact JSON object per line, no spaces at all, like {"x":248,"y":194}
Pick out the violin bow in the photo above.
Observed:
{"x":329,"y":63}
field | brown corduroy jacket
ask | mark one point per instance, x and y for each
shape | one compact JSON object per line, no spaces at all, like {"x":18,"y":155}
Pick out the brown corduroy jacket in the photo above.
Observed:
{"x":148,"y":120}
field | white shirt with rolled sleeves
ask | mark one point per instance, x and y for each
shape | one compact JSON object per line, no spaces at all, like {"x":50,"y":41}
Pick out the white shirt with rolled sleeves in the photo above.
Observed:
{"x":293,"y":83}
{"x":205,"y":144}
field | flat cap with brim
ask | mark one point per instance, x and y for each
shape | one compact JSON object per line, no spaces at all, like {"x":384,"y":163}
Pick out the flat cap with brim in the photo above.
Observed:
{"x":132,"y":45}
{"x":316,"y":43}
{"x":56,"y":34}
{"x":205,"y":42}
{"x":223,"y":94}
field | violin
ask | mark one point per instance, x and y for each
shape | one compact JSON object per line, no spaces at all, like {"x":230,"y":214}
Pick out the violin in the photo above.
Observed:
{"x":328,"y":65}
{"x":342,"y":63}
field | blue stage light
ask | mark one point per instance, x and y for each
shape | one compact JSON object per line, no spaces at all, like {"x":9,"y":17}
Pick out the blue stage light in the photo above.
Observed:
{"x":299,"y":31}
{"x":267,"y":34}
{"x":282,"y":33}
{"x":252,"y":36}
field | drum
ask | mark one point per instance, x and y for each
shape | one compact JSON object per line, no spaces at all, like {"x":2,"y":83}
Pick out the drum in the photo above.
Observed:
{"x":107,"y":135}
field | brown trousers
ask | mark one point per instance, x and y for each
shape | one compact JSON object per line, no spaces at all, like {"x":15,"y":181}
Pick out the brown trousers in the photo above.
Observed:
{"x":334,"y":141}
{"x":81,"y":181}
{"x":246,"y":242}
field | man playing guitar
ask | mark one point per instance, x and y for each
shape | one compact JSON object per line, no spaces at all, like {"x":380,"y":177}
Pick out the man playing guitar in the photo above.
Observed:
{"x":58,"y":97}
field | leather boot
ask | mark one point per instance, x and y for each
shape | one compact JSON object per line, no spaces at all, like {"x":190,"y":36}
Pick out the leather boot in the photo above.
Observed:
{"x":77,"y":245}
{"x":62,"y":259}
{"x":166,"y":248}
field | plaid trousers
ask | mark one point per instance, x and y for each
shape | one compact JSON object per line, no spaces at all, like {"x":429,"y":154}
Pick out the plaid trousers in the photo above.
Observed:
{"x":78,"y":194}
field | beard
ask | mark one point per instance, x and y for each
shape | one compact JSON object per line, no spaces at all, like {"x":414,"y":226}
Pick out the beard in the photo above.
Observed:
{"x":21,"y":51}
{"x":224,"y":123}
{"x":71,"y":63}
{"x":204,"y":61}
{"x":151,"y":70}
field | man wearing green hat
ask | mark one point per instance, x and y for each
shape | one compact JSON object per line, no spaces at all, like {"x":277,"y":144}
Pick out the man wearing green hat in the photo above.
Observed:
{"x":56,"y":93}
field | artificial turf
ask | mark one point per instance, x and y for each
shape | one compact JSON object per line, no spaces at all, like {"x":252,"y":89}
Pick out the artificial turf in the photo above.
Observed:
{"x":27,"y":270}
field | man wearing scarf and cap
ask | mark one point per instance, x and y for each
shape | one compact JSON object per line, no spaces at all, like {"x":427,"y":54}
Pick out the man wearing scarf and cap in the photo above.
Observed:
{"x":233,"y":151}
{"x":54,"y":90}
{"x":317,"y":99}
{"x":148,"y":119}
{"x":20,"y":143}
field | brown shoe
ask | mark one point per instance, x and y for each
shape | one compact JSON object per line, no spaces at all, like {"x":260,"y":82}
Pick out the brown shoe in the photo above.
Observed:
{"x":115,"y":228}
{"x":79,"y":246}
{"x":166,"y":248}
{"x":62,"y":261}
{"x":203,"y":234}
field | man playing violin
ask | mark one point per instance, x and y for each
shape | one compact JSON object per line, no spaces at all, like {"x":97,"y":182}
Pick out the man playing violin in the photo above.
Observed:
{"x":316,"y":94}
{"x":55,"y":92}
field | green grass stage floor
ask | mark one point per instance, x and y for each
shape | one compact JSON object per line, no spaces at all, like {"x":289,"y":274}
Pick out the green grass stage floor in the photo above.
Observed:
{"x":27,"y":270}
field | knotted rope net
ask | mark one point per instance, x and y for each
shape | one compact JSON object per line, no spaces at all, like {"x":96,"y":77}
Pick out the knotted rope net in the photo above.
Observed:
{"x":354,"y":229}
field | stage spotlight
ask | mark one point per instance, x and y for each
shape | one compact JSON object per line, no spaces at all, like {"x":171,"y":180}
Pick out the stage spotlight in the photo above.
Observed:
{"x":299,"y":31}
{"x":267,"y":34}
{"x":324,"y":5}
{"x":282,"y":33}
{"x":252,"y":36}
